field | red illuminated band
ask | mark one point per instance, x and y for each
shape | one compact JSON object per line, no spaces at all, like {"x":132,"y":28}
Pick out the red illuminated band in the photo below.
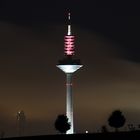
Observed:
{"x":69,"y":45}
{"x":69,"y":84}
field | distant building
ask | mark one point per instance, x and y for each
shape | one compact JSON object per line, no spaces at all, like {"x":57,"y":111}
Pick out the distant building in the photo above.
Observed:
{"x":21,"y":122}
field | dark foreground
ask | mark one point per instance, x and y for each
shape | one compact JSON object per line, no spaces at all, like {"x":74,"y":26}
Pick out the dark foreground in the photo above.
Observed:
{"x":105,"y":136}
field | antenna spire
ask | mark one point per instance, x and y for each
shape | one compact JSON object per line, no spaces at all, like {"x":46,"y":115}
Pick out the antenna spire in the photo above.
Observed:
{"x":69,"y":15}
{"x":69,"y":25}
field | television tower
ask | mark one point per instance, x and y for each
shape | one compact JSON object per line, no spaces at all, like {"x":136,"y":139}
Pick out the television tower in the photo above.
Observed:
{"x":69,"y":65}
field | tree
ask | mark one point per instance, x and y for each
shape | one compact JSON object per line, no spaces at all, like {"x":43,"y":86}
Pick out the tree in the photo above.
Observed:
{"x":104,"y":129}
{"x":61,"y":124}
{"x":131,"y":127}
{"x":116,"y":119}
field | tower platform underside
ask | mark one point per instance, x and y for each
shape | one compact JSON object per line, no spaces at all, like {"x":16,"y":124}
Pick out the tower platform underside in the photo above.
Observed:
{"x":69,"y":68}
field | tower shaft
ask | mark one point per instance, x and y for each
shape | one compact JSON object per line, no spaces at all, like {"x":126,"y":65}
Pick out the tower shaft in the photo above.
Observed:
{"x":69,"y":98}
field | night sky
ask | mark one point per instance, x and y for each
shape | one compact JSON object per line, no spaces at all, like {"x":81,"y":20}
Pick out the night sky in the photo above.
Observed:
{"x":31,"y":43}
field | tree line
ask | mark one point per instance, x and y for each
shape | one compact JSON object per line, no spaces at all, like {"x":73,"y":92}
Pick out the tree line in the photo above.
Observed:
{"x":115,"y":120}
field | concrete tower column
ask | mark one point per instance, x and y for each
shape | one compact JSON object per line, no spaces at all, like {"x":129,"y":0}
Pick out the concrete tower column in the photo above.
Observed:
{"x":69,"y":99}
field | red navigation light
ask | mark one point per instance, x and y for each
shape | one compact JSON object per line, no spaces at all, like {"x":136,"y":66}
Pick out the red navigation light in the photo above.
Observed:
{"x":69,"y":45}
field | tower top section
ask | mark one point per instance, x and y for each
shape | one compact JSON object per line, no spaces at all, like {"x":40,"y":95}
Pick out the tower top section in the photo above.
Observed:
{"x":69,"y":64}
{"x":69,"y":39}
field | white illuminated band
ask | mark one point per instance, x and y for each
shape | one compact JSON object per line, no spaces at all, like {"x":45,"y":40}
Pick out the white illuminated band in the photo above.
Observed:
{"x":69,"y":29}
{"x":69,"y":68}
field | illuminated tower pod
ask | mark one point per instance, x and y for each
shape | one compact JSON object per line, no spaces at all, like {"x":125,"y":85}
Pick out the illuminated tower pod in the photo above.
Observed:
{"x":69,"y":65}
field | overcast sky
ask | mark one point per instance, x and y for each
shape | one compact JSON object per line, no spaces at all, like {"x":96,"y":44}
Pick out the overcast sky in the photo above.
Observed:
{"x":31,"y":43}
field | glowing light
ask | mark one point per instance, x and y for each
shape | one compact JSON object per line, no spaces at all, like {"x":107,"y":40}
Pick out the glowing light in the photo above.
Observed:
{"x":69,"y":16}
{"x":69,"y":45}
{"x":69,"y":68}
{"x":69,"y":30}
